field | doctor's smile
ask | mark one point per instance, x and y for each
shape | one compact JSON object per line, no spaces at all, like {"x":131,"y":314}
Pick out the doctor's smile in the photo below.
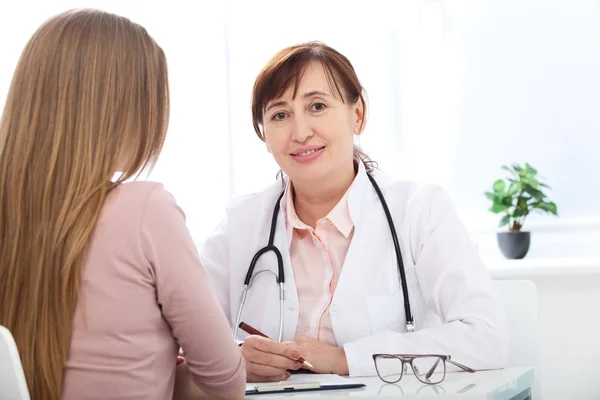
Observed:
{"x":308,"y":153}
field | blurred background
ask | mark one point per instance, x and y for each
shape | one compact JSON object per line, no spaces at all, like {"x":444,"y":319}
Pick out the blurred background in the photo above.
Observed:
{"x":455,"y":90}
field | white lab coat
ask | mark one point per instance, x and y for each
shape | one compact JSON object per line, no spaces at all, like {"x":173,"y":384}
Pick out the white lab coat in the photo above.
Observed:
{"x":455,"y":309}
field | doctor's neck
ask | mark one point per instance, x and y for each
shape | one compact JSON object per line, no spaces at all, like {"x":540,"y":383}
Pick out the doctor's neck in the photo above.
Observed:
{"x":314,"y":200}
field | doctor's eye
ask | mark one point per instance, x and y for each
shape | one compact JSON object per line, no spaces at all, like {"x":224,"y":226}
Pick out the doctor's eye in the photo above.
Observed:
{"x":278,"y":116}
{"x":318,"y":107}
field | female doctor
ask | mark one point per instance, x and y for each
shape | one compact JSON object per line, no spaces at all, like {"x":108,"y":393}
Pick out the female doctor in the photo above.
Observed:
{"x":333,"y":280}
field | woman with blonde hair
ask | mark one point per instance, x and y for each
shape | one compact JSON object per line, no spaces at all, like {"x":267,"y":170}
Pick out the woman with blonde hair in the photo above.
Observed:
{"x":100,"y":282}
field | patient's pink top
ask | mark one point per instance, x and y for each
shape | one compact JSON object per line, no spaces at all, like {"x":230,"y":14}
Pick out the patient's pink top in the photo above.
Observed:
{"x":143,"y":295}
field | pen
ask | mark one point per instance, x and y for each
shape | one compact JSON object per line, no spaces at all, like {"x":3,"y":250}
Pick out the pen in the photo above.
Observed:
{"x":253,"y":331}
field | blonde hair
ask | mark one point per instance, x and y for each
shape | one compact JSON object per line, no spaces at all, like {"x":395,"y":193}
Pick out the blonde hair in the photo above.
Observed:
{"x":89,"y":97}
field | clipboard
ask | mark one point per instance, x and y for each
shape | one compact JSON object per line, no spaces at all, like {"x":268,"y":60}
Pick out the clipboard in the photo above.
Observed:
{"x":303,"y":383}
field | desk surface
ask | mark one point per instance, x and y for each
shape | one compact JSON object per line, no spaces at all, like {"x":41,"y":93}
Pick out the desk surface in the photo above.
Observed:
{"x":502,"y":384}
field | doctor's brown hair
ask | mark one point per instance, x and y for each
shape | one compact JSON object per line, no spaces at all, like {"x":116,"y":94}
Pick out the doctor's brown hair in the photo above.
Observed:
{"x":89,"y":97}
{"x":285,"y":70}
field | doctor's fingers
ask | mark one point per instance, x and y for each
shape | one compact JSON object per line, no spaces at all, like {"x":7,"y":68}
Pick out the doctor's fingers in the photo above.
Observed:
{"x":286,"y":349}
{"x":258,"y":357}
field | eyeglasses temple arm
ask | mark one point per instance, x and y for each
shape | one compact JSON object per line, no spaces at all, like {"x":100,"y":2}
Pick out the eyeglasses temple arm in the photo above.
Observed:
{"x":463,"y":367}
{"x":430,"y":372}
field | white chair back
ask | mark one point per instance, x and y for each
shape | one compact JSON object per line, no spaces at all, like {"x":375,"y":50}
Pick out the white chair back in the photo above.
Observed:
{"x":12,"y":379}
{"x":520,"y":302}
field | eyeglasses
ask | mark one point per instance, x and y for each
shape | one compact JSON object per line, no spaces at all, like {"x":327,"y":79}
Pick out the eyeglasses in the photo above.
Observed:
{"x":428,"y":368}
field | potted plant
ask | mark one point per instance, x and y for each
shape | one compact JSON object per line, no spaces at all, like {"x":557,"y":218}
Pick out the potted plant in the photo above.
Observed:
{"x":515,"y":198}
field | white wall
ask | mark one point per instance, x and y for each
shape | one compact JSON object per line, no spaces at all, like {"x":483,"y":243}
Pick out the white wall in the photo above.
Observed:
{"x":530,"y":92}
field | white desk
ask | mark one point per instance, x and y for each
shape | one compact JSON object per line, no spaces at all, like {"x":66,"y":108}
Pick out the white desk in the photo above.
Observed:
{"x":505,"y":384}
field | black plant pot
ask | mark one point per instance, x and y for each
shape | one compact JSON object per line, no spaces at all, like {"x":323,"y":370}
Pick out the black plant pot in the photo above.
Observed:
{"x":514,"y":245}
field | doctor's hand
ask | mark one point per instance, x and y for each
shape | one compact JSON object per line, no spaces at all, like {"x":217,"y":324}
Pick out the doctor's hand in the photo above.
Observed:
{"x":268,"y":360}
{"x":325,"y":358}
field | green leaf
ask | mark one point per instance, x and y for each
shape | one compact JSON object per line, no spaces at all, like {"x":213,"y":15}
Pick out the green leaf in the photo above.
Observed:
{"x":534,"y":192}
{"x":531,"y":182}
{"x":513,"y":188}
{"x":506,"y":200}
{"x":517,"y":168}
{"x":522,"y":203}
{"x":549,"y":207}
{"x":530,"y":170}
{"x":499,"y":186}
{"x":498,"y":208}
{"x":552,"y":208}
{"x":504,"y":221}
{"x":520,"y":212}
{"x":491,"y":196}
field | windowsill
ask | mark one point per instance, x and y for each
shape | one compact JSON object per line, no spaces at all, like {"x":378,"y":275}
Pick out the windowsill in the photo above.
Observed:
{"x":540,"y":267}
{"x":564,"y":247}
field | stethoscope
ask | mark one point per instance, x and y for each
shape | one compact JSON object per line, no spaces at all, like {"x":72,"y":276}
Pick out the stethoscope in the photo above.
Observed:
{"x":280,"y":277}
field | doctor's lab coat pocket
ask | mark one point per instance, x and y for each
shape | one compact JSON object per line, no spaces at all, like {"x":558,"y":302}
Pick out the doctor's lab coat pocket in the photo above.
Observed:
{"x":386,"y":313}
